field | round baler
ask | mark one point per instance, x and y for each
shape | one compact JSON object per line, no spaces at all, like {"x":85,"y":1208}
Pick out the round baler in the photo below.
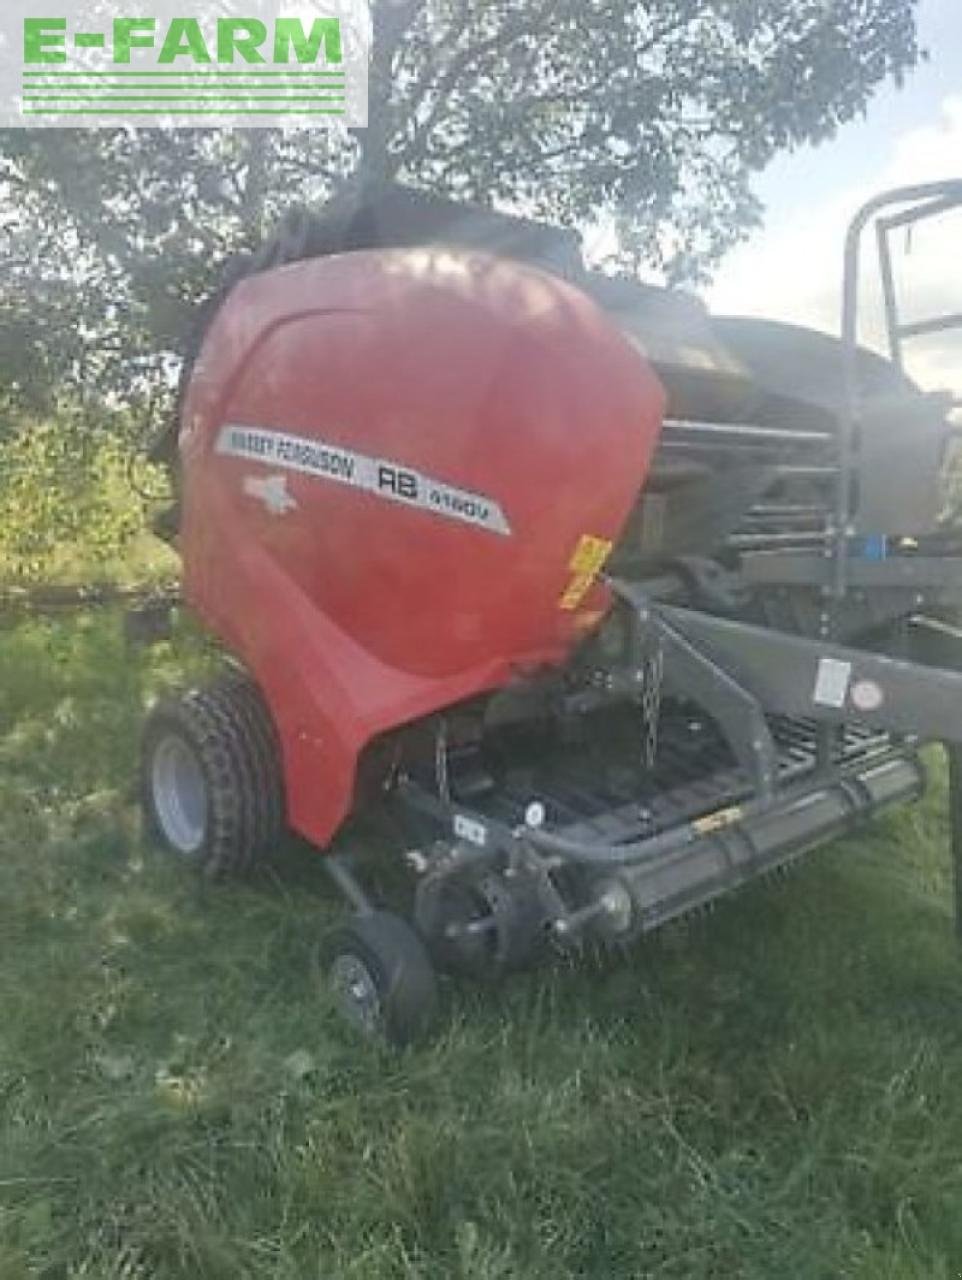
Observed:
{"x":544,"y":566}
{"x":402,"y":472}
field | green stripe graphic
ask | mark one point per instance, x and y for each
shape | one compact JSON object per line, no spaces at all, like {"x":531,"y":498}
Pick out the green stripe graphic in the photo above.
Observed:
{"x":182,"y":111}
{"x":208,"y":75}
{"x":187,"y":97}
{"x":60,"y":90}
{"x":304,"y":91}
{"x":128,"y":90}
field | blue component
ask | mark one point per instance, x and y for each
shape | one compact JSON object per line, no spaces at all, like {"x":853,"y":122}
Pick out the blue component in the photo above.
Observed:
{"x":874,"y":546}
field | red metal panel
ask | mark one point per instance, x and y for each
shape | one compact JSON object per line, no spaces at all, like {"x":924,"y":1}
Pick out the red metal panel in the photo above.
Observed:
{"x":362,"y":598}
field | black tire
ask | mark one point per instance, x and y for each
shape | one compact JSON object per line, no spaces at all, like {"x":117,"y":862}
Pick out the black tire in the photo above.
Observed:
{"x":211,"y":781}
{"x":382,"y":978}
{"x":243,"y":702}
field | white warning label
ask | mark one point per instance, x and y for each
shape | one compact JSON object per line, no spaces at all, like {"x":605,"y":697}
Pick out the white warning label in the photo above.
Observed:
{"x":380,"y":476}
{"x":831,"y":682}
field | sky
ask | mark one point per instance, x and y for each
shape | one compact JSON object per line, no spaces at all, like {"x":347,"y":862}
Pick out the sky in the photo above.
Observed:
{"x":791,"y":267}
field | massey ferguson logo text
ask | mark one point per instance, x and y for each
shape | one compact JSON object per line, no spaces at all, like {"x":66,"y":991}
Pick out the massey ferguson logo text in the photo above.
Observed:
{"x":384,"y":478}
{"x":272,"y":63}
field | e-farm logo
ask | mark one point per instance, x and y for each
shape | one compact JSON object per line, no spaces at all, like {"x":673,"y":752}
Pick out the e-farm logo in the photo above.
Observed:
{"x":243,"y":62}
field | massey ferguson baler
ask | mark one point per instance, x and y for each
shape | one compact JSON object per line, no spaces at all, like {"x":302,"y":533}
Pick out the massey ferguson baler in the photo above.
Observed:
{"x":610,"y":606}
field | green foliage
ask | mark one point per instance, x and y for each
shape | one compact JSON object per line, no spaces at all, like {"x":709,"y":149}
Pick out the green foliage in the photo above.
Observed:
{"x":112,"y":239}
{"x":655,"y":114}
{"x":773,"y":1090}
{"x":67,"y":502}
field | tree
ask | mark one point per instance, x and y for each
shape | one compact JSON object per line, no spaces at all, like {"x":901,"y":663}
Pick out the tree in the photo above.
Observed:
{"x":110,"y":238}
{"x":655,"y":115}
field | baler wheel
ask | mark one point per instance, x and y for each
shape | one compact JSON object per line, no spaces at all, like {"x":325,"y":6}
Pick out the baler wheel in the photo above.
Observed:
{"x":382,"y":978}
{"x":210,"y":776}
{"x":244,"y":702}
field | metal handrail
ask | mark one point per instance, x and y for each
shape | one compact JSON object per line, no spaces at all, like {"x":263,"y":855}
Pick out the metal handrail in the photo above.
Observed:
{"x":926,"y":200}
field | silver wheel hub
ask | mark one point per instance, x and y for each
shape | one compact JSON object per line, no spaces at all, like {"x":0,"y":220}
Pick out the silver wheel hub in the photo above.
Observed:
{"x":356,"y":992}
{"x":179,"y":794}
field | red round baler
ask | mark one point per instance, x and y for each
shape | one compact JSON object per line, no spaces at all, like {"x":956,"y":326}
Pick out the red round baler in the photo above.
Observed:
{"x":402,"y":471}
{"x":410,"y":434}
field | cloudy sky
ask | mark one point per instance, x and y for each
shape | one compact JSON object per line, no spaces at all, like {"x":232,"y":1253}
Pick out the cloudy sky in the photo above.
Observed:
{"x":791,"y":268}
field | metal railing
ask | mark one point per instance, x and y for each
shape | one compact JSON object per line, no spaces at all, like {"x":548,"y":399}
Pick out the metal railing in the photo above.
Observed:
{"x":912,"y":204}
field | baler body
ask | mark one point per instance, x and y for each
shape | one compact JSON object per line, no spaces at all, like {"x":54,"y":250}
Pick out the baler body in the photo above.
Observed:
{"x":403,"y":470}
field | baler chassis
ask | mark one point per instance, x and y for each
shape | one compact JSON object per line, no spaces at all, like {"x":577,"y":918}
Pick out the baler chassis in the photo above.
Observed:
{"x":580,"y":846}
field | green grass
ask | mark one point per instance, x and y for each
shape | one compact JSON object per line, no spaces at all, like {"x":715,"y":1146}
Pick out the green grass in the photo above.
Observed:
{"x":771,"y":1091}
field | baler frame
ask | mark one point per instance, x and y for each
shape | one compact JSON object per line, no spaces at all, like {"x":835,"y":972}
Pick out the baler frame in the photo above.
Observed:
{"x":766,"y":806}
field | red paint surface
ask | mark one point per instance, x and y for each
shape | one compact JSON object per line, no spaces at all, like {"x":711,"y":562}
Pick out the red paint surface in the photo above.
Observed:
{"x":357,"y":614}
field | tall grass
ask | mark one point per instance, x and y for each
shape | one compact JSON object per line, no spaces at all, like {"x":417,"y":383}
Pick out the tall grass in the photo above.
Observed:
{"x":774,"y":1090}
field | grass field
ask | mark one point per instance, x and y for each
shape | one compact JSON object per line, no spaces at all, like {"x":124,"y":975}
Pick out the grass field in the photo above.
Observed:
{"x":771,"y":1091}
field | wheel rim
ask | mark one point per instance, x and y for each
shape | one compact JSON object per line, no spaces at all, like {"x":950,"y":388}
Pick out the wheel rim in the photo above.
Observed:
{"x":179,"y":794}
{"x":356,"y":992}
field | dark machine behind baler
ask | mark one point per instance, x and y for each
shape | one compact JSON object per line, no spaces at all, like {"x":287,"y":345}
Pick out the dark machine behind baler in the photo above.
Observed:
{"x":608,"y":604}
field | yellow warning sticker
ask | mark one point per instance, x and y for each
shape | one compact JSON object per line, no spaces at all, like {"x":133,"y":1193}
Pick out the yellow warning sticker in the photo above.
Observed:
{"x":587,"y":562}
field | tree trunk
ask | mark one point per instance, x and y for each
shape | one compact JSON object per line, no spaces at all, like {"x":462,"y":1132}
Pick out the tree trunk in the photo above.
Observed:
{"x":257,"y":142}
{"x":391,"y":21}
